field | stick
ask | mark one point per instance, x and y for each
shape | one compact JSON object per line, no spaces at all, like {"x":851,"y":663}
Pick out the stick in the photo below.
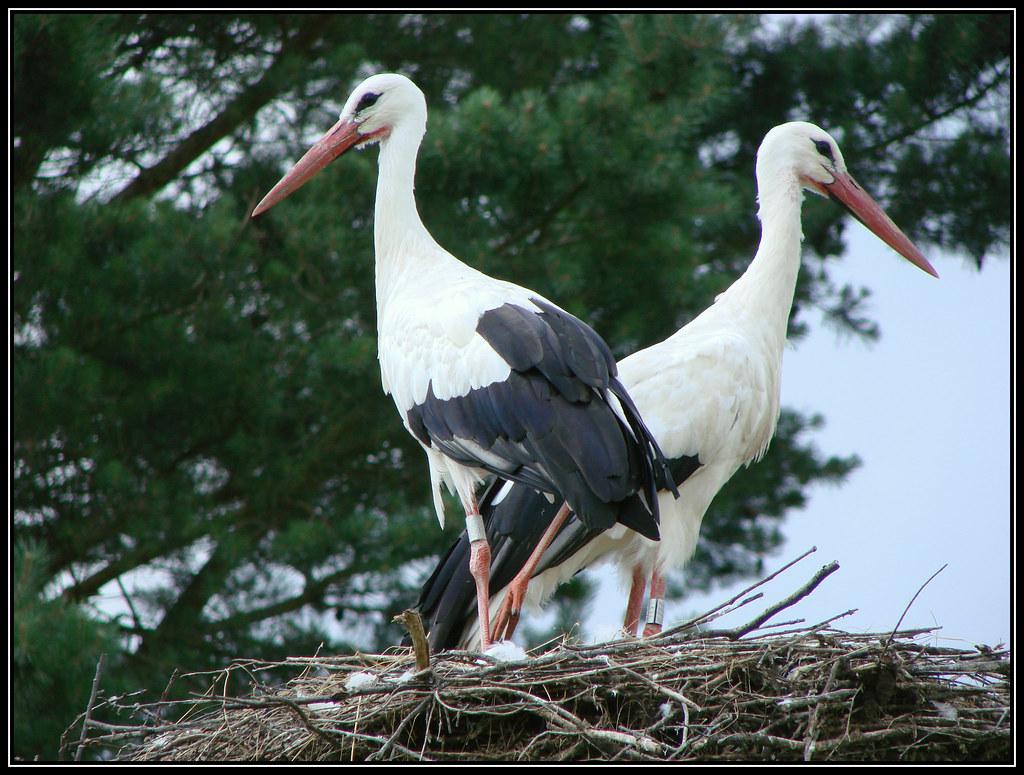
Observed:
{"x":697,"y":620}
{"x":905,"y":610}
{"x":769,"y":612}
{"x":414,"y":625}
{"x":88,"y":708}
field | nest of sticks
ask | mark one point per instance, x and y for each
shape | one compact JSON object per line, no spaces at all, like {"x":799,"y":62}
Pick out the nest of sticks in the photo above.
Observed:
{"x":759,"y":692}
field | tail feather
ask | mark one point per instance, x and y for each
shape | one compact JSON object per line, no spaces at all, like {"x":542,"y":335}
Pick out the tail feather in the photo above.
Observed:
{"x":514,"y":525}
{"x":659,"y":473}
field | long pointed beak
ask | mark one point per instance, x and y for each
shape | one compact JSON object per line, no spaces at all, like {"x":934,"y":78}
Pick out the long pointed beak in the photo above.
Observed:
{"x":339,"y":138}
{"x":845,"y":190}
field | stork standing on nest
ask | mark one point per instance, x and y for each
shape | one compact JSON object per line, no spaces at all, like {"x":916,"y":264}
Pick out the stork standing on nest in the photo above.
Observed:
{"x":709,"y":393}
{"x":489,"y":377}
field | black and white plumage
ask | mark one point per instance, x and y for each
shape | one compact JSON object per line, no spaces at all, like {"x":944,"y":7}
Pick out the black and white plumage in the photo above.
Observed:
{"x":489,"y":377}
{"x":548,"y":423}
{"x":710,"y":394}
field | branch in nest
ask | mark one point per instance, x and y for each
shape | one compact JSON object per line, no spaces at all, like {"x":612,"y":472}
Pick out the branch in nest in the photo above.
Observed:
{"x":769,"y":612}
{"x":732,"y":695}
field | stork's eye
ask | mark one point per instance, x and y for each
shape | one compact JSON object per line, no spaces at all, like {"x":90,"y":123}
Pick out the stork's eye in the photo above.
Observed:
{"x":824,"y":149}
{"x":367,"y":100}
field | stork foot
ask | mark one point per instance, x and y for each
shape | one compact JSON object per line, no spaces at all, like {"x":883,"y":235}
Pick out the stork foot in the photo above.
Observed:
{"x":507,"y":619}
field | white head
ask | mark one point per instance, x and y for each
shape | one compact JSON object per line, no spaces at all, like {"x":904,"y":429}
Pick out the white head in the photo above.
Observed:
{"x":799,"y":155}
{"x":799,"y":152}
{"x":383,"y":105}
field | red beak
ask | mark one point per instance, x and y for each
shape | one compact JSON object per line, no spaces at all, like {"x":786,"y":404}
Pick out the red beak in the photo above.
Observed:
{"x":339,"y":138}
{"x":845,"y":190}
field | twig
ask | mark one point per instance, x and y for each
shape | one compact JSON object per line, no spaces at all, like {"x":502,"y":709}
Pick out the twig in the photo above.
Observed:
{"x":170,"y":683}
{"x":89,"y":706}
{"x":905,"y":610}
{"x":812,"y":727}
{"x":769,"y":612}
{"x":706,"y":616}
{"x":383,"y":750}
{"x":355,"y":728}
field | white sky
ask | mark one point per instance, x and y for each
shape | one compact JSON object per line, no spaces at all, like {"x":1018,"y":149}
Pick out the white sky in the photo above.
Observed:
{"x":927,"y":408}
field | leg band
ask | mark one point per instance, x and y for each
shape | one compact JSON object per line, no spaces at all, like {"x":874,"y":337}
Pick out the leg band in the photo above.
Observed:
{"x":656,"y":611}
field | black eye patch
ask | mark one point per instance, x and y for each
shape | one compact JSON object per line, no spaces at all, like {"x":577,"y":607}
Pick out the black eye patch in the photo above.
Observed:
{"x":367,"y":100}
{"x":824,"y":149}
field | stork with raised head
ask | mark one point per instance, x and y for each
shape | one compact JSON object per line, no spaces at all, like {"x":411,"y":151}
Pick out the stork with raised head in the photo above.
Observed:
{"x":709,"y":393}
{"x":488,"y":376}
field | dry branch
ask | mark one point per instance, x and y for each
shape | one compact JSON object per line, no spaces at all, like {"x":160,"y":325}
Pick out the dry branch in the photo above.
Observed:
{"x":813,"y":694}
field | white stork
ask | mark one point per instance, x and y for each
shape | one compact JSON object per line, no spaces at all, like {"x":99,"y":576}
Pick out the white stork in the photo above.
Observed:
{"x":489,"y":377}
{"x":709,"y":393}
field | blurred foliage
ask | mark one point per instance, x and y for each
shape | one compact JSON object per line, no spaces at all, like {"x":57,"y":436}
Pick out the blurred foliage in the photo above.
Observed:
{"x":204,"y":465}
{"x":55,"y":647}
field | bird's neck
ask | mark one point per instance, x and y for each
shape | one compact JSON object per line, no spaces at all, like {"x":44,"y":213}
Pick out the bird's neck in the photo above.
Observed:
{"x":764,"y":293}
{"x":402,"y":244}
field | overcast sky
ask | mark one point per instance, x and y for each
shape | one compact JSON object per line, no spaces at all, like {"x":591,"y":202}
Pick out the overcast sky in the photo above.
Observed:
{"x":927,"y":408}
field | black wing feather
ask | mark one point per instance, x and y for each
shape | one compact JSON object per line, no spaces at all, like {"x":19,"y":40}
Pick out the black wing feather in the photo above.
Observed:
{"x":550,"y":425}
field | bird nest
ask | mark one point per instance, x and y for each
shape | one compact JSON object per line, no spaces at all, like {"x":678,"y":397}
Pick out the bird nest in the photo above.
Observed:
{"x":753,"y":693}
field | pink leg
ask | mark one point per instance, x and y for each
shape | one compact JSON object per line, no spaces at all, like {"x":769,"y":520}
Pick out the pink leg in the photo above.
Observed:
{"x":635,"y":602}
{"x":480,"y":567}
{"x":508,"y":617}
{"x":656,"y":606}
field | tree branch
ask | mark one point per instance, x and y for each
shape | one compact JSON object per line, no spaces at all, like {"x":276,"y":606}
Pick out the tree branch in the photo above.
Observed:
{"x":185,"y":615}
{"x":141,"y":555}
{"x":544,"y":220}
{"x":238,"y":111}
{"x":932,"y":117}
{"x":311,"y":592}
